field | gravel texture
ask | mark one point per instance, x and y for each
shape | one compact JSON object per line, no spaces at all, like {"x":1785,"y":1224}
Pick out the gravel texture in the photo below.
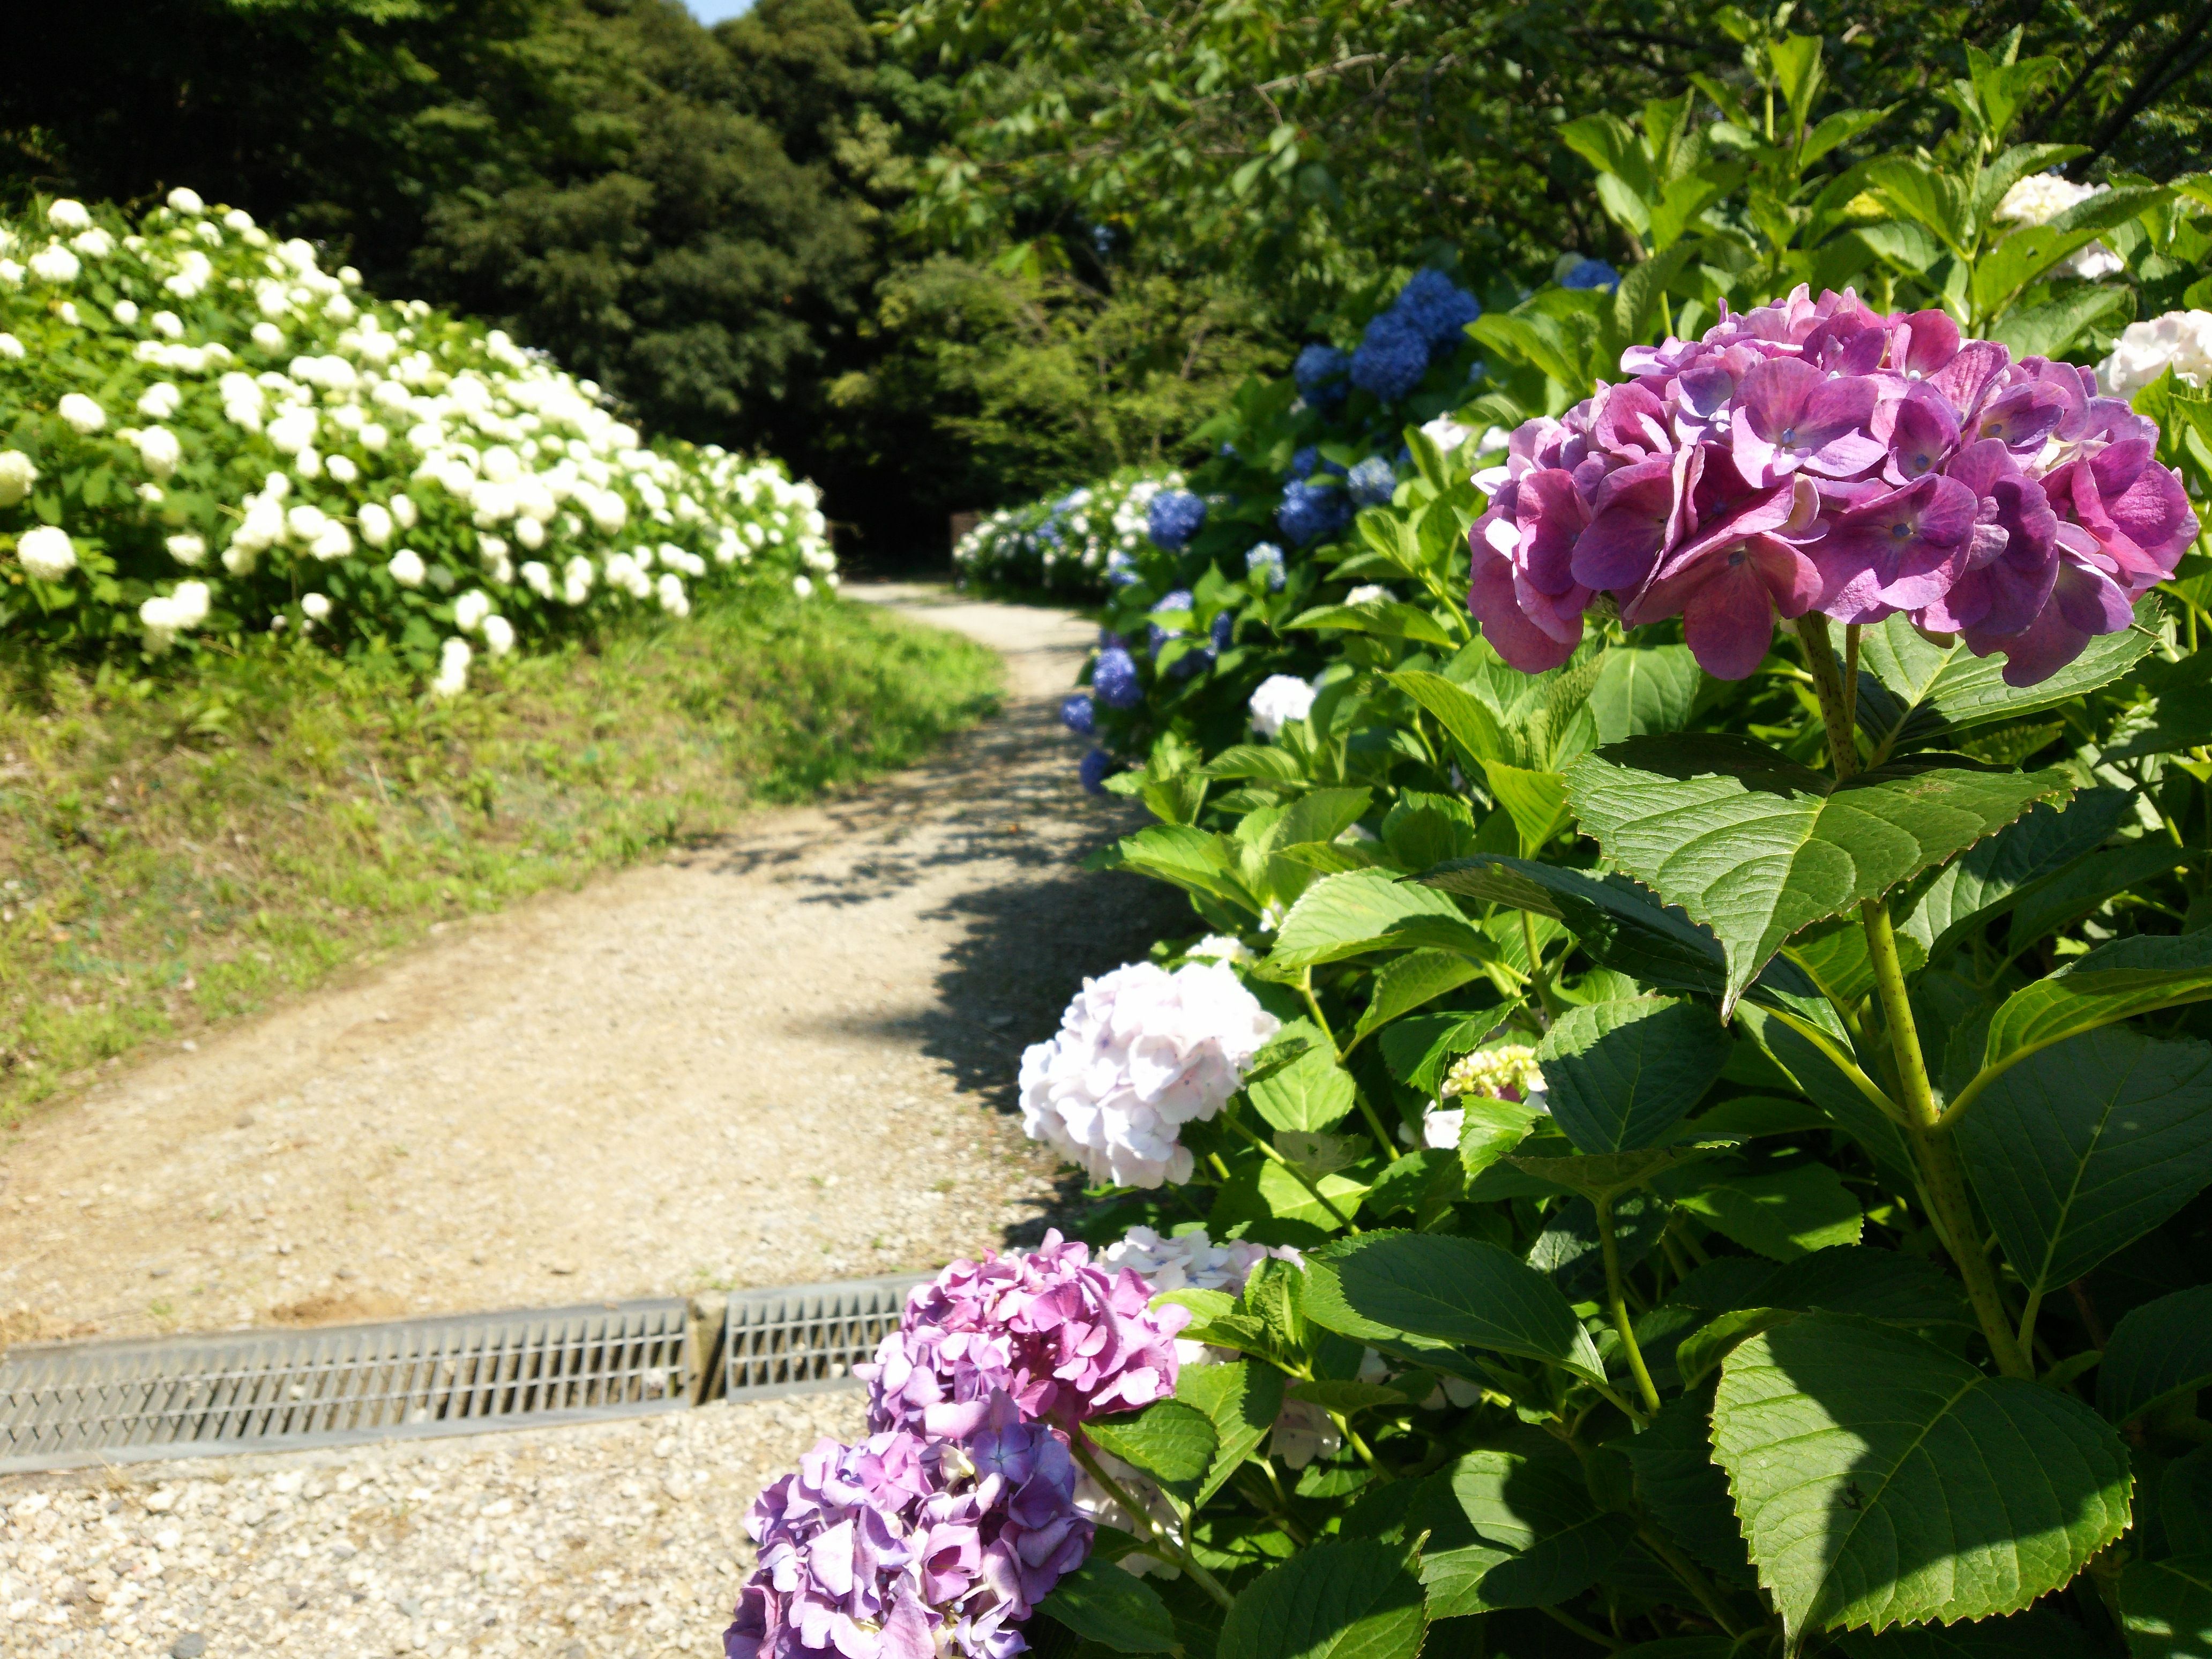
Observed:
{"x":604,"y":1542}
{"x":785,"y":1055}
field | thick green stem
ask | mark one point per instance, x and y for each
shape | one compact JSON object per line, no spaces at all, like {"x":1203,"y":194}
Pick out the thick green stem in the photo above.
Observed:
{"x":1152,"y":1530}
{"x":1538,"y":981}
{"x":1617,"y":1307}
{"x":1943,"y":1183}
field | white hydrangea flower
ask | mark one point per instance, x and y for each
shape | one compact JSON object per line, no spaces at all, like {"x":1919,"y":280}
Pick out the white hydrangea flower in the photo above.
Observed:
{"x":342,"y":470}
{"x":2042,"y":197}
{"x":159,"y":451}
{"x":802,"y":585}
{"x":167,"y":325}
{"x":453,"y":660}
{"x":80,"y":413}
{"x":1188,"y":1261}
{"x":2179,"y":340}
{"x":1446,"y":433}
{"x":471,"y":609}
{"x":93,"y":244}
{"x":11,"y":348}
{"x":1370,"y":593}
{"x":55,"y":263}
{"x":538,"y":577}
{"x":124,"y":312}
{"x":18,"y":472}
{"x":1303,"y":1433}
{"x":1277,"y":702}
{"x":332,"y":542}
{"x":63,"y":213}
{"x":407,"y":568}
{"x":315,"y":606}
{"x":498,"y":635}
{"x":268,"y":337}
{"x":182,"y":200}
{"x":46,"y":552}
{"x":1220,"y":947}
{"x":166,"y":615}
{"x":161,"y":400}
{"x":669,"y":591}
{"x":186,"y":549}
{"x":403,"y":511}
{"x":1139,"y":1053}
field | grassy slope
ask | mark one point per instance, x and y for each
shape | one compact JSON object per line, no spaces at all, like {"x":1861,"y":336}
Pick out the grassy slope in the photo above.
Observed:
{"x":173,"y":854}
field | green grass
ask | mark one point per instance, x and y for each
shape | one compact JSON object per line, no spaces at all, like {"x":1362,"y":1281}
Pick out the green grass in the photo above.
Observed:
{"x":178,"y":853}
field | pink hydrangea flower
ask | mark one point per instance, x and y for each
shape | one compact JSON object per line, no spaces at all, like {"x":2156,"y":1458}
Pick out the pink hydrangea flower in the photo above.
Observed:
{"x":1065,"y":1340}
{"x":1812,"y":454}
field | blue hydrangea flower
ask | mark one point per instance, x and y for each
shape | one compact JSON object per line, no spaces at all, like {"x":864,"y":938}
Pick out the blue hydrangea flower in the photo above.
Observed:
{"x":1370,"y":483}
{"x":1114,"y":679}
{"x":1311,"y":511}
{"x":1303,"y":461}
{"x":1320,"y":372}
{"x":1120,"y":571}
{"x":1225,"y":625}
{"x":1094,"y":769}
{"x":1437,"y":307}
{"x":1393,"y":355}
{"x":1267,"y":557}
{"x":1080,"y":714}
{"x":1591,"y":273}
{"x":1173,"y":517}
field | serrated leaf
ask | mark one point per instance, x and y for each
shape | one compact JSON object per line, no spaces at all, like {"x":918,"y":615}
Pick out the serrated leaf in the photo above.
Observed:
{"x":1345,"y":1398}
{"x":1390,"y":618}
{"x":1985,"y":881}
{"x":1470,"y":720}
{"x":1882,"y":1479}
{"x":1169,"y":1440}
{"x":1756,"y":847}
{"x":1643,"y":690}
{"x":2038,"y":1633}
{"x":1909,"y":686}
{"x":1618,"y":1075}
{"x":1310,"y":1093}
{"x":1254,"y":760}
{"x":2084,"y":1147}
{"x":2114,"y":982}
{"x":1684,"y":1489}
{"x":1447,"y":1289}
{"x":1701,"y":1352}
{"x":1319,"y":815}
{"x":1335,"y":1600}
{"x":1490,"y":1130}
{"x":1620,"y":925}
{"x":1782,"y":1214}
{"x":1242,"y":1400}
{"x":1118,"y":1611}
{"x":1540,"y":1510}
{"x":1363,"y":910}
{"x":1407,"y":982}
{"x":2157,"y":1352}
{"x":2167,"y":1607}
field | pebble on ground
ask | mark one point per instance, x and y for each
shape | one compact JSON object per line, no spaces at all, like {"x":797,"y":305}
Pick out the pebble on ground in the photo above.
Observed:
{"x":620,"y":1540}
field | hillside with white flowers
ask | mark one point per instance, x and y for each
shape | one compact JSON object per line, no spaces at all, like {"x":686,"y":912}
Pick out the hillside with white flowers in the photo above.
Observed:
{"x":209,"y":437}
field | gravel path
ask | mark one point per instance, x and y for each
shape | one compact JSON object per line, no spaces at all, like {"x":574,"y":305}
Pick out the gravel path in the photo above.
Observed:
{"x":787,"y":1055}
{"x":784,"y":1056}
{"x":608,"y":1542}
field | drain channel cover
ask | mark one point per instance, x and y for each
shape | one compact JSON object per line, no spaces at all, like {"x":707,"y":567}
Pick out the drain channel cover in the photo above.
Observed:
{"x":63,"y":1406}
{"x":800,"y":1338}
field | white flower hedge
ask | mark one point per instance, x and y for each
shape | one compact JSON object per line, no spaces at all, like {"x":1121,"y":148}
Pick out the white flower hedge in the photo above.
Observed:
{"x":203,"y":434}
{"x":1070,"y":543}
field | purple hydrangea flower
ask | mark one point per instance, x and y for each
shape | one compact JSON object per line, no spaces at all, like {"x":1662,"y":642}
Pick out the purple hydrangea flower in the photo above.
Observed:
{"x":1173,"y":517}
{"x":1815,"y":454}
{"x":1080,"y":714}
{"x":911,"y":1546}
{"x":1114,"y":679}
{"x":1392,"y":357}
{"x":1065,"y":1340}
{"x":1320,"y":372}
{"x":1093,"y":769}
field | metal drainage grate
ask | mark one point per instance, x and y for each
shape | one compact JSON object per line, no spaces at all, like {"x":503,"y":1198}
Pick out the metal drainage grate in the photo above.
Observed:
{"x":800,"y":1338}
{"x":63,"y":1406}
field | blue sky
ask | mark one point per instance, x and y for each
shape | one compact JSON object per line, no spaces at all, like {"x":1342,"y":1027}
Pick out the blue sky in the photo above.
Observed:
{"x":714,"y":11}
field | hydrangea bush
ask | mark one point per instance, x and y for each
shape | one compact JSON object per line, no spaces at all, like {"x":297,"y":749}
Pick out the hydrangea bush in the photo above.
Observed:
{"x":204,"y":434}
{"x":1739,"y":1091}
{"x":1077,"y":542}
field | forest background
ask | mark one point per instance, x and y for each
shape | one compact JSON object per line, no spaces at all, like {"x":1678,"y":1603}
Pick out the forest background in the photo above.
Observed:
{"x":955,"y":253}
